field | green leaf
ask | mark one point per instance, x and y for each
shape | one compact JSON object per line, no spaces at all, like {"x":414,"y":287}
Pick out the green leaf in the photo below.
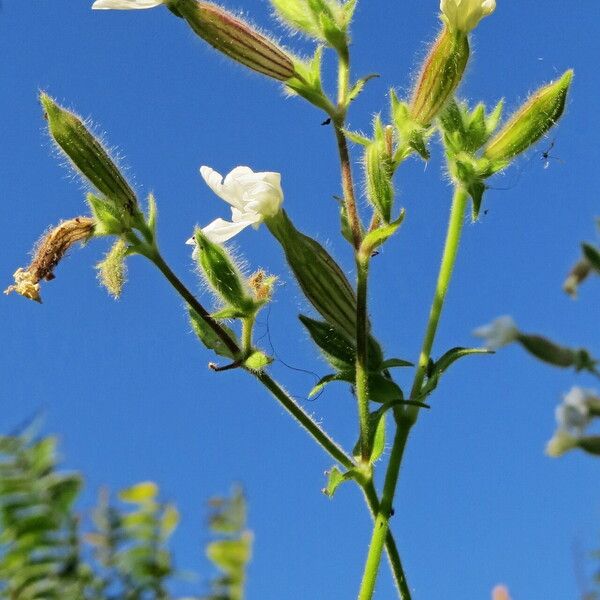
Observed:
{"x":379,"y":236}
{"x":383,"y":389}
{"x":378,"y":443}
{"x":336,"y":347}
{"x":359,"y":86}
{"x":592,"y":254}
{"x":341,"y":376}
{"x":107,"y":216}
{"x":391,"y":363}
{"x":437,"y":369}
{"x":208,"y":337}
{"x":140,"y":493}
{"x":334,"y":479}
{"x":357,"y":138}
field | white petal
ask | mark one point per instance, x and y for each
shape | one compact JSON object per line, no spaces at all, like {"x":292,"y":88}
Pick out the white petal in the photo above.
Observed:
{"x":125,"y":4}
{"x":220,"y":231}
{"x":227,"y":190}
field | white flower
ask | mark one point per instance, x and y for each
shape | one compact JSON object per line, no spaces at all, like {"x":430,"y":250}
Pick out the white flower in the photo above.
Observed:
{"x":499,"y":333}
{"x":252,"y":196}
{"x":464,"y":15}
{"x":574,"y":413}
{"x":125,"y":4}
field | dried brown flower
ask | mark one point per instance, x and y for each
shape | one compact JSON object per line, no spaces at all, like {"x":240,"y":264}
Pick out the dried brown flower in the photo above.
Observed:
{"x":48,"y":253}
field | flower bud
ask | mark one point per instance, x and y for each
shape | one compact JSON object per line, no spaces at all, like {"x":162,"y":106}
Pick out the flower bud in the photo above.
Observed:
{"x":440,"y":75}
{"x":378,"y":175}
{"x":531,"y":122}
{"x":48,"y":253}
{"x":89,"y":156}
{"x":235,"y":38}
{"x":319,"y":276}
{"x":222,"y":275}
{"x":551,"y":353}
{"x":561,"y":443}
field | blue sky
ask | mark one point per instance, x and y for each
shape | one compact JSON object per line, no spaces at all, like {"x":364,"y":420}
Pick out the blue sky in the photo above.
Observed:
{"x":125,"y":384}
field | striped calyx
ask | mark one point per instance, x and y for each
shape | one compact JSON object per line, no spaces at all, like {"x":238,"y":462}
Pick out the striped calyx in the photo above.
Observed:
{"x":235,"y":38}
{"x":440,"y":75}
{"x":321,"y":279}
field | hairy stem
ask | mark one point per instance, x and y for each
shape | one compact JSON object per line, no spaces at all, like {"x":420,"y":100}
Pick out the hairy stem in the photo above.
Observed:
{"x":362,"y":368}
{"x":339,"y":118}
{"x":407,"y":420}
{"x":164,"y":268}
{"x":390,"y":544}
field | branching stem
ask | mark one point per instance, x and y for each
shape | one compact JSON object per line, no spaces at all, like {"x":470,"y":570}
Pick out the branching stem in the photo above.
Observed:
{"x":407,"y":419}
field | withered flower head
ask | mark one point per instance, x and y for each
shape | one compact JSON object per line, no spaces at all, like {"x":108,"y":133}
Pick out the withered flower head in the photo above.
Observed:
{"x":48,"y":253}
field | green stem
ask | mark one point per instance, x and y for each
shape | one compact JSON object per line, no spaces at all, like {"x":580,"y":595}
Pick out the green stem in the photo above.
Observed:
{"x":390,"y":544}
{"x":247,"y":329}
{"x":406,"y":421}
{"x":339,"y":118}
{"x":304,"y":419}
{"x":155,"y":256}
{"x":455,"y":227}
{"x":362,"y":369}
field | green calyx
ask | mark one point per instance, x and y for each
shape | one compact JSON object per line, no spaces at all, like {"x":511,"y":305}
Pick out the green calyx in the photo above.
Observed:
{"x":235,"y":38}
{"x":91,"y":159}
{"x":222,"y":275}
{"x":320,"y":278}
{"x":440,"y":76}
{"x":530,"y":123}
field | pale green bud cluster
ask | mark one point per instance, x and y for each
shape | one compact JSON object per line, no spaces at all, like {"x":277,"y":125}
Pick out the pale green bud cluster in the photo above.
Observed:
{"x":379,"y":170}
{"x":235,"y":38}
{"x":324,"y":20}
{"x":112,"y":271}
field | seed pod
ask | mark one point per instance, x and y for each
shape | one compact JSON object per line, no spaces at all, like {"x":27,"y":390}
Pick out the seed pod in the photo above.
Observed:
{"x":235,"y":38}
{"x":319,"y":276}
{"x":531,"y":122}
{"x":441,"y":74}
{"x":88,"y":155}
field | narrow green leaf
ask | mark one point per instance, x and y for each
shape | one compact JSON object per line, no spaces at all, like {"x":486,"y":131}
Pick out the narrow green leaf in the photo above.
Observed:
{"x":140,"y":493}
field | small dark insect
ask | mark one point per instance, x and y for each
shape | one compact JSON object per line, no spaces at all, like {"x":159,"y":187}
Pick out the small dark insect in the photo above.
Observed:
{"x":326,"y":121}
{"x":392,"y":512}
{"x":547,"y":156}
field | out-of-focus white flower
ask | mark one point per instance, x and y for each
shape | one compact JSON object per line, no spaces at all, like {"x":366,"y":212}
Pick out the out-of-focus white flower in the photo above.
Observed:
{"x":561,"y":442}
{"x":573,"y":414}
{"x":464,"y":15}
{"x":498,"y":333}
{"x":252,"y":196}
{"x":125,"y":4}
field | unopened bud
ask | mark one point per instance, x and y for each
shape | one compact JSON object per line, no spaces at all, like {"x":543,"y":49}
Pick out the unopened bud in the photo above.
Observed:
{"x":440,"y":75}
{"x":559,"y":356}
{"x":88,"y":156}
{"x":531,"y":122}
{"x":561,"y":443}
{"x":319,"y":276}
{"x":235,"y":38}
{"x":378,"y":176}
{"x":222,"y":274}
{"x":48,"y":253}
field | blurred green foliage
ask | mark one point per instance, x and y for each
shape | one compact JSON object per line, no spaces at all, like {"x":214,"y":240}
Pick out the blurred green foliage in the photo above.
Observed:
{"x":47,"y":551}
